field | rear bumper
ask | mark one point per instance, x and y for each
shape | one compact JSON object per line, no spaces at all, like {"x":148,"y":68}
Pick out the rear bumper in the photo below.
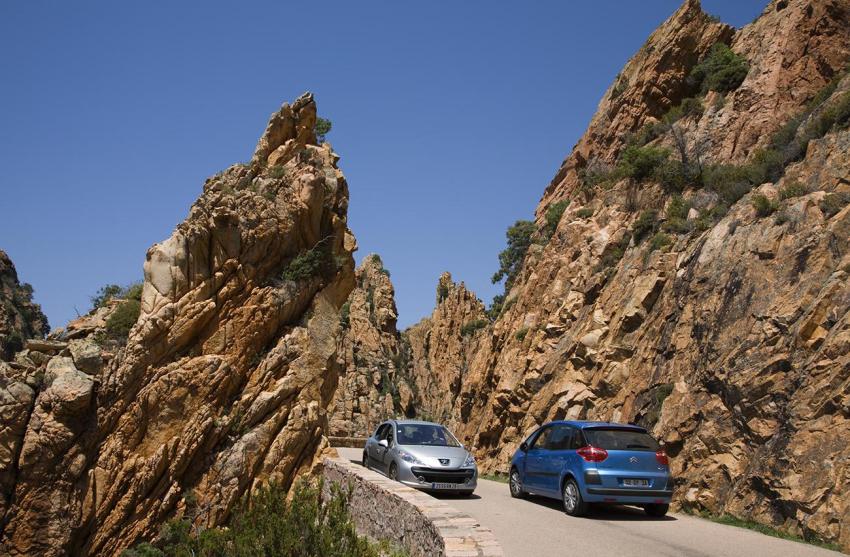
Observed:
{"x":630,"y":493}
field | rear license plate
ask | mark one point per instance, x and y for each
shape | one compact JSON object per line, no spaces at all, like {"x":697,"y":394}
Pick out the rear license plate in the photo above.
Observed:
{"x":630,"y":482}
{"x":443,"y":486}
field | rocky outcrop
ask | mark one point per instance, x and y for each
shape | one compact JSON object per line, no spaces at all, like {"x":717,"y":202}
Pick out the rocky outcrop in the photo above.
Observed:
{"x":728,"y":332}
{"x":441,"y":347}
{"x":20,"y":317}
{"x":374,"y":383}
{"x":225,"y":378}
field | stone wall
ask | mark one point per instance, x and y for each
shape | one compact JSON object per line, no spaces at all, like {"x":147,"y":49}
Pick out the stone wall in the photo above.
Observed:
{"x":422,"y":525}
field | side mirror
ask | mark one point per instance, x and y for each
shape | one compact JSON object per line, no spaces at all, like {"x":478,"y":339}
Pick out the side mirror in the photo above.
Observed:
{"x":524,"y":447}
{"x":383,"y":443}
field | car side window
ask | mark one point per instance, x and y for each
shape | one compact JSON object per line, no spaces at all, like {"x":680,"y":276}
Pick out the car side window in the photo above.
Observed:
{"x":388,"y":434}
{"x":379,"y":432}
{"x":560,"y":438}
{"x":542,"y":439}
{"x":577,"y":441}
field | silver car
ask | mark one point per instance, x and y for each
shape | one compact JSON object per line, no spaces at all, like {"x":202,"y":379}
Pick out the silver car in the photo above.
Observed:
{"x":422,"y":455}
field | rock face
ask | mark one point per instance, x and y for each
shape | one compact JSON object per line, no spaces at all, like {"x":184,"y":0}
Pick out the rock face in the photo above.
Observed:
{"x":728,"y":338}
{"x":441,"y":347}
{"x":20,"y":318}
{"x":225,"y":379}
{"x":374,"y":384}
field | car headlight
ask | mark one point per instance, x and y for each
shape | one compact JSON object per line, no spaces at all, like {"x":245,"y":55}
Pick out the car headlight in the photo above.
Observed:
{"x":407,"y":457}
{"x":470,"y":460}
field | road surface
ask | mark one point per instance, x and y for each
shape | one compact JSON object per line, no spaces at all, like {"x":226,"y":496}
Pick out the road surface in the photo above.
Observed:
{"x":537,"y":527}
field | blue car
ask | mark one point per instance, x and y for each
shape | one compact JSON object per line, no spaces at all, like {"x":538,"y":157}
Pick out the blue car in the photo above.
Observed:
{"x":583,"y":463}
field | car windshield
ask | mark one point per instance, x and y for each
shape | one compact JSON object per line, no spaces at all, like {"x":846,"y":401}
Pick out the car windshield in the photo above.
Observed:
{"x":620,"y":439}
{"x":426,"y":434}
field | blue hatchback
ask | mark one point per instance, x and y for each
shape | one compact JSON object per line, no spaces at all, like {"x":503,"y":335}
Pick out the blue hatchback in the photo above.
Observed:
{"x":593,"y":462}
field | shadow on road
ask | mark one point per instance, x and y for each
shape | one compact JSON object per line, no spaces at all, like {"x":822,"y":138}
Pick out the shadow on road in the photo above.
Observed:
{"x":604,"y":512}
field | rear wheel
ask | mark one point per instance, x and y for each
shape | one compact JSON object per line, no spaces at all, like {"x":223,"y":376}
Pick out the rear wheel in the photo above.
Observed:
{"x":574,"y":505}
{"x":515,"y":482}
{"x":656,"y":509}
{"x":393,"y":472}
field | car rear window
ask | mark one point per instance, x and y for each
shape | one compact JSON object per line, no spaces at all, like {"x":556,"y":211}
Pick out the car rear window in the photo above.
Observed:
{"x":612,"y":439}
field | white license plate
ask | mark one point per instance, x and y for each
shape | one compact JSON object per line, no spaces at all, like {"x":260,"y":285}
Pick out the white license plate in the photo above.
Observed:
{"x":443,"y":486}
{"x":636,"y":483}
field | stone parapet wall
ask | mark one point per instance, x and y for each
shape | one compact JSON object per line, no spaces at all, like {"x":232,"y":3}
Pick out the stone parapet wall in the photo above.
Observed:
{"x":424,"y":526}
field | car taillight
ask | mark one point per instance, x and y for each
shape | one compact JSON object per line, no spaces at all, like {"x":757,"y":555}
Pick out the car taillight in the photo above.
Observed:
{"x":662,"y":458}
{"x":592,"y":454}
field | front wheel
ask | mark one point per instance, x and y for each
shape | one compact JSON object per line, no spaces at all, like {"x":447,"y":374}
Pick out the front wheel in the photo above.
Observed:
{"x":656,"y":510}
{"x":574,"y":505}
{"x":515,"y":483}
{"x":394,"y":472}
{"x":365,"y":460}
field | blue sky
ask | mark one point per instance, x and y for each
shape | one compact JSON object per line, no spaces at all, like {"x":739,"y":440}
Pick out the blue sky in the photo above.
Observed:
{"x":450,"y":117}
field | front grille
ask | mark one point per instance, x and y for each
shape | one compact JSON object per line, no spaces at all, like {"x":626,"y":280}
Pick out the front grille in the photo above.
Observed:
{"x":432,"y":475}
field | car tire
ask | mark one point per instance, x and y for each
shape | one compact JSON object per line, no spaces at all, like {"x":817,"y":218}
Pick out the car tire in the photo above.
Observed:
{"x":515,"y":484}
{"x":365,"y":460}
{"x":393,"y":473}
{"x":574,"y":504}
{"x":656,"y":509}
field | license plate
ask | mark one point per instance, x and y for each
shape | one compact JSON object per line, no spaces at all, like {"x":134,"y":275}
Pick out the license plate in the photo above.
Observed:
{"x":635,"y":483}
{"x":443,"y":486}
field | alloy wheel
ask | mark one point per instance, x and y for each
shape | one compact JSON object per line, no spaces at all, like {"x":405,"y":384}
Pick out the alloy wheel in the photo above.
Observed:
{"x":570,"y":497}
{"x":393,"y":472}
{"x":515,"y":484}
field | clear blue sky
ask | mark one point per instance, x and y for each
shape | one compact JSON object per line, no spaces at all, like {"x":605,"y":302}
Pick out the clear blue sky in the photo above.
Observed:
{"x":450,"y":117}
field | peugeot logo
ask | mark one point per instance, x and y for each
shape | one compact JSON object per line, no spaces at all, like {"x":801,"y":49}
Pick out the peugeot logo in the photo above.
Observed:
{"x":444,"y":461}
{"x":633,"y":460}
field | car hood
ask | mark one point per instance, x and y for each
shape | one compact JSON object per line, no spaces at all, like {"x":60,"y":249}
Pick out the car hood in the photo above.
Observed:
{"x":430,"y":455}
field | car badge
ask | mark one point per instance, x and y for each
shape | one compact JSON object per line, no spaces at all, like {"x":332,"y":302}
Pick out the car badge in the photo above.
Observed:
{"x":633,"y":460}
{"x":444,"y":461}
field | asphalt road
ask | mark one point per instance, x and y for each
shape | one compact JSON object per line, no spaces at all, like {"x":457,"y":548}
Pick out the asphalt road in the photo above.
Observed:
{"x":536,"y":527}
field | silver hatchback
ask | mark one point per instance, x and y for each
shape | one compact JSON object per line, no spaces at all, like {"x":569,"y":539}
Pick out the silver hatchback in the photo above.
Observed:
{"x":422,"y":455}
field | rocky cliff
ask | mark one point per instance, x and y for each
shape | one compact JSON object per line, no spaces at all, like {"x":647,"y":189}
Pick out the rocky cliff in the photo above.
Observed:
{"x":373,"y":383}
{"x":20,"y":318}
{"x":224,"y":380}
{"x":695,"y":275}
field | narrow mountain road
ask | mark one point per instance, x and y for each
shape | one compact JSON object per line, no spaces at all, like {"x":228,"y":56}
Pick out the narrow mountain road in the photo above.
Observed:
{"x":536,"y":527}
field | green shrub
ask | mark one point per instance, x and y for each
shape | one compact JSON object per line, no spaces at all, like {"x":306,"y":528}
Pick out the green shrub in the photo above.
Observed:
{"x":689,"y":107}
{"x":782,"y":217}
{"x":306,"y":526}
{"x":731,"y":182}
{"x":553,"y":216}
{"x":322,"y":129}
{"x":640,"y":163}
{"x":644,"y":225}
{"x":133,"y":292}
{"x":105,"y":294}
{"x":473,"y":326}
{"x":677,"y":216}
{"x":519,"y":237}
{"x":584,"y":213}
{"x":792,"y":189}
{"x":722,"y":70}
{"x":121,"y":320}
{"x":832,"y":203}
{"x":597,"y":175}
{"x":313,"y":262}
{"x":496,"y":307}
{"x":278,"y":171}
{"x":763,"y":205}
{"x":520,"y":334}
{"x":659,"y":241}
{"x":345,"y":315}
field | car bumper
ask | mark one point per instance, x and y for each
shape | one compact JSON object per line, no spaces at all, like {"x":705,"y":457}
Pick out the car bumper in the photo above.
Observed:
{"x":608,"y":495}
{"x":453,"y":480}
